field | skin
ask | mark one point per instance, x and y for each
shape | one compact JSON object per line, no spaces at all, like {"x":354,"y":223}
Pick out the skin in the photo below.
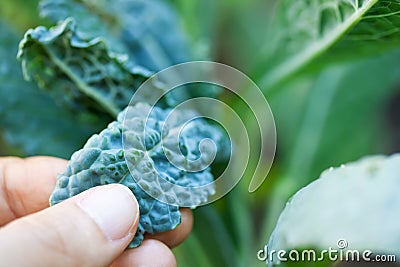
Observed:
{"x":34,"y":234}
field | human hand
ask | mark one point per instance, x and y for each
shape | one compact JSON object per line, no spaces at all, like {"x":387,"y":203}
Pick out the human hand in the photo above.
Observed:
{"x":90,"y":229}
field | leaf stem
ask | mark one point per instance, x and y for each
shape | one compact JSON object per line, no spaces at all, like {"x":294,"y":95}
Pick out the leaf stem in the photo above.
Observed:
{"x":294,"y":64}
{"x":110,"y":107}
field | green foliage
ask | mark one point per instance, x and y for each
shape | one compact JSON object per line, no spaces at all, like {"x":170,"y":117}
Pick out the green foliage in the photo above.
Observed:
{"x":103,"y":161}
{"x":328,"y":67}
{"x":84,"y":74}
{"x":19,"y":100}
{"x":312,"y":27}
{"x":378,"y":31}
{"x":328,"y":210}
{"x":147,"y":30}
{"x":338,"y":118}
{"x":21,"y":19}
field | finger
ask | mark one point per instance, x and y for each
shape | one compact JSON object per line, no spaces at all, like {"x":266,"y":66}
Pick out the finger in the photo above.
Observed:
{"x":26,"y":185}
{"x":175,"y":237}
{"x":90,"y":229}
{"x":150,"y":253}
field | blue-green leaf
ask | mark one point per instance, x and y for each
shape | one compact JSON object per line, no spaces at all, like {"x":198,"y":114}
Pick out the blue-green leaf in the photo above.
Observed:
{"x":28,"y":116}
{"x":102,"y":161}
{"x":82,"y":73}
{"x":147,"y":30}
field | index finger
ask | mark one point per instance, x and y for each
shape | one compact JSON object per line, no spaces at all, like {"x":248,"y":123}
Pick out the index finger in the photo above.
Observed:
{"x":26,"y":185}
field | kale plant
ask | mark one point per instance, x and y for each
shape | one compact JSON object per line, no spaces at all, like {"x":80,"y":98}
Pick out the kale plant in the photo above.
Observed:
{"x":87,"y":72}
{"x":102,"y":161}
{"x":329,"y":68}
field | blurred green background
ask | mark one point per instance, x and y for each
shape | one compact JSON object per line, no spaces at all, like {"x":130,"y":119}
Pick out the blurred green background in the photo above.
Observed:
{"x":326,"y":114}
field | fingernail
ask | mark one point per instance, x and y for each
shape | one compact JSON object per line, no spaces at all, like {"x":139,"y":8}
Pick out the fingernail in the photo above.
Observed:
{"x":113,"y":208}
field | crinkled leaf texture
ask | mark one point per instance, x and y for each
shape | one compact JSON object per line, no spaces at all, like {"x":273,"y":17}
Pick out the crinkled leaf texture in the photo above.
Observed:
{"x":102,"y":161}
{"x":20,"y":99}
{"x":82,"y":73}
{"x":85,"y":75}
{"x":358,"y":202}
{"x":147,"y":30}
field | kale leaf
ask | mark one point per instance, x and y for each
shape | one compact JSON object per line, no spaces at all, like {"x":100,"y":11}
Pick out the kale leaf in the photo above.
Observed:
{"x":147,"y":30}
{"x":81,"y":73}
{"x":102,"y":161}
{"x":19,"y":100}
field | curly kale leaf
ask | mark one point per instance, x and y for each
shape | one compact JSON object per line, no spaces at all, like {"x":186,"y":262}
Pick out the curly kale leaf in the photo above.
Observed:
{"x":19,"y":99}
{"x":147,"y":30}
{"x":81,"y":73}
{"x":102,"y":161}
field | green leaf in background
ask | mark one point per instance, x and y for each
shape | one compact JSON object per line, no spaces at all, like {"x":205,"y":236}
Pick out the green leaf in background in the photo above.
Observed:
{"x":81,"y":73}
{"x":337,"y":118}
{"x":29,"y":118}
{"x":303,"y":30}
{"x":199,"y":19}
{"x":358,"y":203}
{"x":378,"y":31}
{"x":21,"y":14}
{"x":147,"y":30}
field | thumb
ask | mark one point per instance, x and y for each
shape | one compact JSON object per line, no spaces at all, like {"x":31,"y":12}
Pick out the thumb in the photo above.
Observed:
{"x":90,"y":229}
